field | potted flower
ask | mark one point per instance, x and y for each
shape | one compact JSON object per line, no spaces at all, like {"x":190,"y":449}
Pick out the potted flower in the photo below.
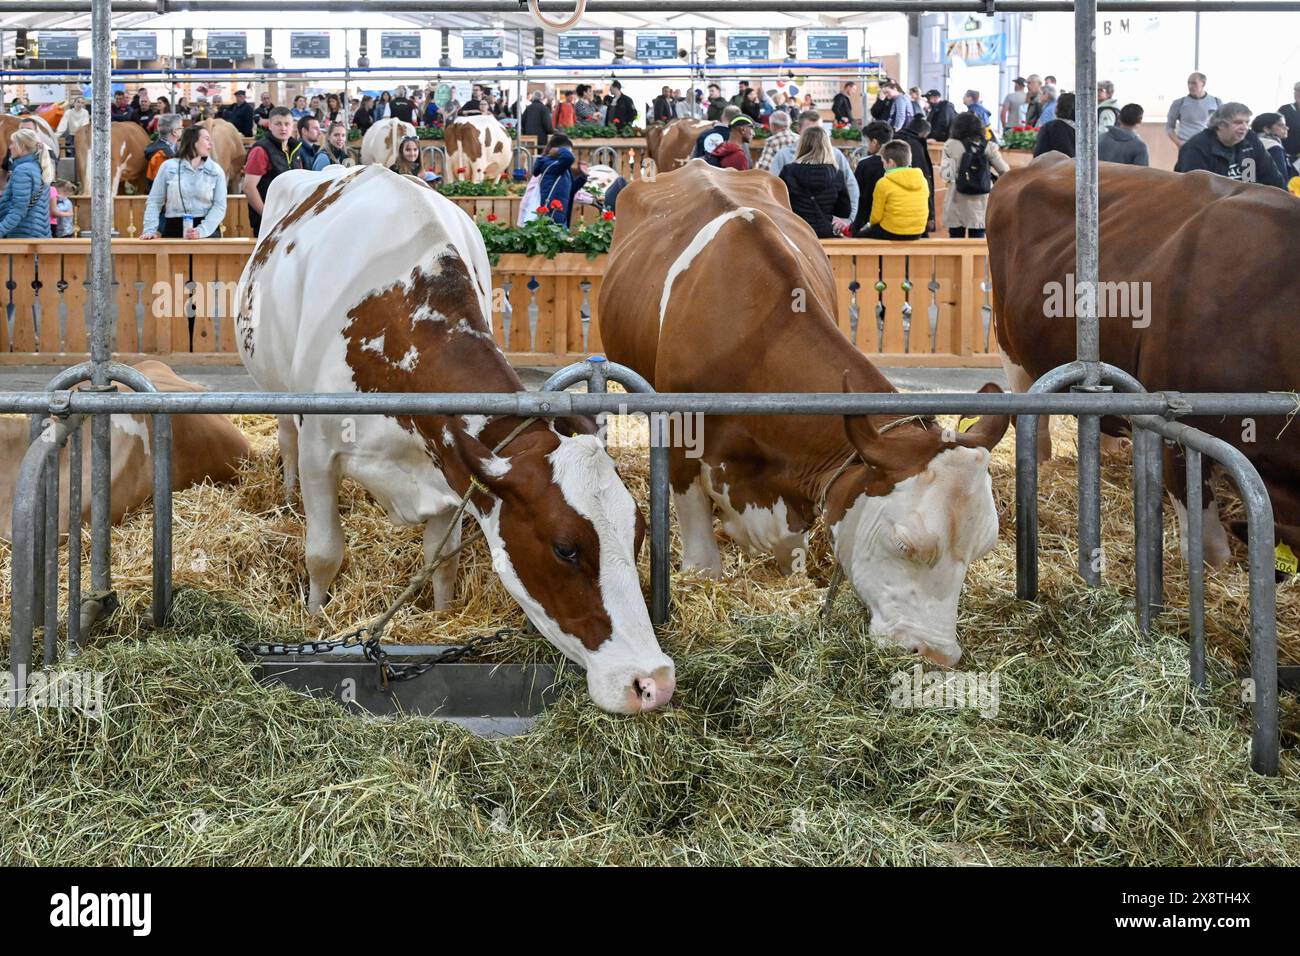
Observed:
{"x":1020,"y":137}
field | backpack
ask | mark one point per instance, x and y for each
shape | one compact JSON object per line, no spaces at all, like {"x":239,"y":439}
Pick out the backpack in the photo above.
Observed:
{"x":1102,"y":110}
{"x":974,"y":178}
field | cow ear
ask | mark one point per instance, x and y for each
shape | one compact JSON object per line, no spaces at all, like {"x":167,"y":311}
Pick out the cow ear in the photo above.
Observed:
{"x":640,"y":534}
{"x":482,"y":467}
{"x":983,"y":431}
{"x":861,"y":433}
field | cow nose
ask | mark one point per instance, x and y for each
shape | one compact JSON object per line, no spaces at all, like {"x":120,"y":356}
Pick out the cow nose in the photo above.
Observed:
{"x":655,"y":689}
{"x":945,"y":655}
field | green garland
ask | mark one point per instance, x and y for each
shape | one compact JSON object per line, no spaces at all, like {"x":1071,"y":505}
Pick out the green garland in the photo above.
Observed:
{"x":592,"y":131}
{"x":542,"y":236}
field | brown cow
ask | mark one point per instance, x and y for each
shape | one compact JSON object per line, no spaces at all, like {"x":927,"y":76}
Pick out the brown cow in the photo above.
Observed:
{"x":480,"y":146}
{"x":715,"y":285}
{"x":204,"y":448}
{"x":129,"y":141}
{"x":671,"y":145}
{"x":1196,"y":295}
{"x":9,"y":126}
{"x":228,"y":150}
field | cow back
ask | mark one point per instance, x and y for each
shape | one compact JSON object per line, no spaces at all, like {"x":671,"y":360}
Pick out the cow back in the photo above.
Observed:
{"x":126,"y":156}
{"x":672,"y":145}
{"x":227,"y":149}
{"x":711,"y":278}
{"x":381,"y":142}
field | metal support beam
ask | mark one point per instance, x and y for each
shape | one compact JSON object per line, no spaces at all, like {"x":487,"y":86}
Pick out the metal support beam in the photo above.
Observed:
{"x":809,"y":7}
{"x":101,"y":295}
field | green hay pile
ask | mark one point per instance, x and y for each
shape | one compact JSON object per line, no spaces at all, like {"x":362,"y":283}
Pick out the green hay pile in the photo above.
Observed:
{"x":783,"y":747}
{"x":782,"y":744}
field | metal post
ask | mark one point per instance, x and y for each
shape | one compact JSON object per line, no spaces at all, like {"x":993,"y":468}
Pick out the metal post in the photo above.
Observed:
{"x":51,"y":532}
{"x":659,"y":549}
{"x":1195,"y":565}
{"x":1146,"y":521}
{"x":74,"y":542}
{"x":101,"y":268}
{"x":1091,"y":557}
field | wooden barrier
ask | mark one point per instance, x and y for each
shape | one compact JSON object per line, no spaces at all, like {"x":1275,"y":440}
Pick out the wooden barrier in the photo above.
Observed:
{"x":902,"y":303}
{"x":128,"y":216}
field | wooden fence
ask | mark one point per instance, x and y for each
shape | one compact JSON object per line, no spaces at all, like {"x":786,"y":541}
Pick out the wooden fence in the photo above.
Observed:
{"x":902,"y":303}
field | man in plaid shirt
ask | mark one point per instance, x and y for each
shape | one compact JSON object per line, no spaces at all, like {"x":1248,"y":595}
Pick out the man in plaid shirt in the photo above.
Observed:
{"x":779,"y":124}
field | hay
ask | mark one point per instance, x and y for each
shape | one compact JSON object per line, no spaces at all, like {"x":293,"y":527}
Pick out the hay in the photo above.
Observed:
{"x":783,"y":745}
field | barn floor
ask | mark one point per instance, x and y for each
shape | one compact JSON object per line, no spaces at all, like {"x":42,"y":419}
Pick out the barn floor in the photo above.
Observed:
{"x":785,"y":743}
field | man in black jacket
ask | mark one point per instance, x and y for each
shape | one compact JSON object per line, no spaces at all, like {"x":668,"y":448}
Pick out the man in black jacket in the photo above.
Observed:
{"x":1291,"y":113}
{"x":870,"y":171}
{"x":275,"y":153}
{"x":401,"y":107}
{"x":914,"y":135}
{"x":241,"y":115}
{"x":842,"y":105}
{"x":940,"y":115}
{"x":715,"y":135}
{"x":537,"y":121}
{"x":662,"y":106}
{"x":1227,"y":147}
{"x":622,"y":111}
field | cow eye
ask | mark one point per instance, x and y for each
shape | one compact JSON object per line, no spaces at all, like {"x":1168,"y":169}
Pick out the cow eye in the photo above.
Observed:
{"x":566,"y":552}
{"x":905,"y":548}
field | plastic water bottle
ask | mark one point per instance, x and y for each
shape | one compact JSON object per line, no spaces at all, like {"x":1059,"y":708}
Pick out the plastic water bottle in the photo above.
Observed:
{"x":187,"y":223}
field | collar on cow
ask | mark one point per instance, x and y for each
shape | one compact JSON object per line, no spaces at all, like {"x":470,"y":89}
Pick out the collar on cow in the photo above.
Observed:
{"x":514,"y":433}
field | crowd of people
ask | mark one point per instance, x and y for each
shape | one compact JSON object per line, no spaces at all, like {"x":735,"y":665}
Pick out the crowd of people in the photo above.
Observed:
{"x":889,"y":194}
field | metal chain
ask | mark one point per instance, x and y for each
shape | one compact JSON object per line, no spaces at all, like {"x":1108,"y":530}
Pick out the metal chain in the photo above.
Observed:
{"x":367,"y":635}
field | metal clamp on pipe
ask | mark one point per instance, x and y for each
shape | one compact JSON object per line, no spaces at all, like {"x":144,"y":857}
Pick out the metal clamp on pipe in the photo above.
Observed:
{"x":988,"y":7}
{"x":1175,"y":405}
{"x":61,"y":403}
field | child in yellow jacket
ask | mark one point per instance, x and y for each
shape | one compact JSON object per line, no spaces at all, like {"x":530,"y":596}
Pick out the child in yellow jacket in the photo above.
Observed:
{"x":900,"y":204}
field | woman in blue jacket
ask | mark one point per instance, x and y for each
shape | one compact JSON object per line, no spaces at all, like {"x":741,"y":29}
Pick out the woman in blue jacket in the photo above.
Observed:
{"x":25,"y":205}
{"x":555,"y":167}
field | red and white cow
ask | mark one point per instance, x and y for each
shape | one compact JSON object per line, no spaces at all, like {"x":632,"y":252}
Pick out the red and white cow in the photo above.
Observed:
{"x":383,"y":140}
{"x":714,"y":285}
{"x":410,"y":311}
{"x":479,"y":145}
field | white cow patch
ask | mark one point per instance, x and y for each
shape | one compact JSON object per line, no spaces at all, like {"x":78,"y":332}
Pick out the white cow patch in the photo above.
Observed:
{"x":375,"y":345}
{"x":133,"y":426}
{"x":757,"y":530}
{"x":697,"y":245}
{"x":474,"y":424}
{"x":907,"y":552}
{"x":410,"y":359}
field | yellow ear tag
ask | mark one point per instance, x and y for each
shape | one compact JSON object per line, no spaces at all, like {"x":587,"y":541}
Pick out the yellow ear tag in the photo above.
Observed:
{"x":1285,"y":559}
{"x":966,"y":424}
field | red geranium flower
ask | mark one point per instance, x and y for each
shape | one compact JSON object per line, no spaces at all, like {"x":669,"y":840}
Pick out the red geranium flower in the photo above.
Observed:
{"x":460,"y":169}
{"x":617,"y":121}
{"x":608,"y":215}
{"x":491,"y":217}
{"x":541,"y":210}
{"x":556,"y":204}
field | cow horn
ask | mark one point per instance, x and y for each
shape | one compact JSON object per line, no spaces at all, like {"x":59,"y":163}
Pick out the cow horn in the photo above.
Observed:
{"x":984,"y":431}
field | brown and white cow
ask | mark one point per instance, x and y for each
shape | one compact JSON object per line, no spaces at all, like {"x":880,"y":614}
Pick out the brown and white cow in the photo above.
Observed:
{"x":479,"y":145}
{"x":714,"y":285}
{"x":204,"y":448}
{"x":228,"y":150}
{"x":382,"y":141}
{"x":1198,"y":294}
{"x":410,"y":311}
{"x":671,"y":145}
{"x":129,"y":141}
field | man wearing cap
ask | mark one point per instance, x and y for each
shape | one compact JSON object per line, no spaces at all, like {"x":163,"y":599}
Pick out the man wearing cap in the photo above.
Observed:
{"x":1012,"y":111}
{"x":940,"y":115}
{"x":734,"y":153}
{"x":241,"y":115}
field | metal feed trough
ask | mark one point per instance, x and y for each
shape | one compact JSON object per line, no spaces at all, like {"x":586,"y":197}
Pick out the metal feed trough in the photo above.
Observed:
{"x":1095,"y":390}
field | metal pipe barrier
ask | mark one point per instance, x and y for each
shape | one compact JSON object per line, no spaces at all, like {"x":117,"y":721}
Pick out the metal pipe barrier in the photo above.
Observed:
{"x":160,"y":7}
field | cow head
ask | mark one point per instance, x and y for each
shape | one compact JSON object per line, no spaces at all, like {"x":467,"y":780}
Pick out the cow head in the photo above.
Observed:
{"x":908,"y":526}
{"x":564,"y":534}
